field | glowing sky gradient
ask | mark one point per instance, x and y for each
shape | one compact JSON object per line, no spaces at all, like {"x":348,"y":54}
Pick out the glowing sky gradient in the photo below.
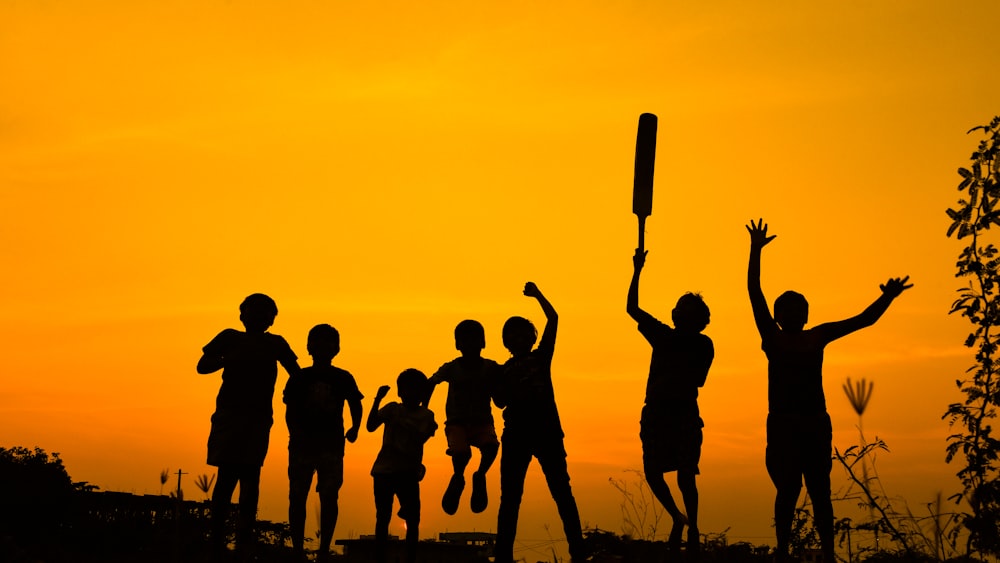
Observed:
{"x":395,"y":167}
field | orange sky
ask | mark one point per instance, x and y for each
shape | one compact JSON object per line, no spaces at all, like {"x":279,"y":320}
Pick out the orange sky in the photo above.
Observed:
{"x":392,"y":168}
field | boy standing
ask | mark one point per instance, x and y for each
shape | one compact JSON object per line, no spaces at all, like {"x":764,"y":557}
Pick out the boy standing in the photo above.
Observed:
{"x":670,"y":426}
{"x":241,"y":425}
{"x":398,"y":468}
{"x":532,"y":429}
{"x":469,"y":414}
{"x":315,"y":416}
{"x":799,"y":433}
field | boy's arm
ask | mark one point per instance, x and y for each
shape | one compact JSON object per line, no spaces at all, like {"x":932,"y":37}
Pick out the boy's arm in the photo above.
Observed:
{"x":890,"y":291}
{"x":210,"y":363}
{"x":632,"y":302}
{"x":548,"y":339}
{"x":758,"y":240}
{"x":374,"y":420}
{"x":357,"y":410}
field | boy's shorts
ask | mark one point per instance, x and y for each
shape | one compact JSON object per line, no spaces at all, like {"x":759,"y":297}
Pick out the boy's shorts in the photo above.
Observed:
{"x":670,"y":444}
{"x":328,"y":466}
{"x":463,"y":437}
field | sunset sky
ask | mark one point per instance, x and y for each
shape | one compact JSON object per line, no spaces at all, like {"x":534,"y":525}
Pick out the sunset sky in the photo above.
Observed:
{"x":394,"y":167}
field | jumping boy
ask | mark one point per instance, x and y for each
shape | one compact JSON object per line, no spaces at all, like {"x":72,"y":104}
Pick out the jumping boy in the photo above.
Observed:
{"x":314,"y":413}
{"x":670,"y":426}
{"x":241,"y":425}
{"x":532,"y":429}
{"x":799,"y":433}
{"x":468,"y":415}
{"x":398,"y":467}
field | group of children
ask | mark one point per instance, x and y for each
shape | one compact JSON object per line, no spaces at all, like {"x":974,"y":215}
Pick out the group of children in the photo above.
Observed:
{"x":315,"y":396}
{"x":799,"y":432}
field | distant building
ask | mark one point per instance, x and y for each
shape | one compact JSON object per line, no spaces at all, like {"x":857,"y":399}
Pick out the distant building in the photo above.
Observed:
{"x":450,"y":547}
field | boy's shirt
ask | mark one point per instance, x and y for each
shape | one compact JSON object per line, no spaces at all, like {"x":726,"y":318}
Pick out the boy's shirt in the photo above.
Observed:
{"x":795,"y":370}
{"x":406,"y":429}
{"x":470,"y":385}
{"x":525,"y":390}
{"x":315,"y":407}
{"x":678,"y":367}
{"x":250,"y":372}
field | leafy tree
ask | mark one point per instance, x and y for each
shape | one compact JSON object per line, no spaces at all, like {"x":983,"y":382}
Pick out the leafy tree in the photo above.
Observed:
{"x":979,"y":302}
{"x":36,"y":493}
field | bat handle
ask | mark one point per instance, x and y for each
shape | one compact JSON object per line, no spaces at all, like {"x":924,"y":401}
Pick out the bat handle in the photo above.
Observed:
{"x":642,"y":234}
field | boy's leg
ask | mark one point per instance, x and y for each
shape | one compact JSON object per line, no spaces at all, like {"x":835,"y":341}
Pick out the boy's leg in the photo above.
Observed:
{"x":817,"y":477}
{"x":658,"y":486}
{"x":384,"y":493}
{"x":330,"y":479}
{"x":460,"y":452}
{"x":553,"y":463}
{"x":249,"y":495}
{"x":686,"y":482}
{"x":513,"y":468}
{"x":300,"y":476}
{"x":486,"y":441}
{"x":409,"y":502}
{"x":222,"y":497}
{"x":787,"y":480}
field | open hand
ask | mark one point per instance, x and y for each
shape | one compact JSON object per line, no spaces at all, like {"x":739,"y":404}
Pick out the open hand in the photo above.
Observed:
{"x":895,"y":286}
{"x":758,"y":234}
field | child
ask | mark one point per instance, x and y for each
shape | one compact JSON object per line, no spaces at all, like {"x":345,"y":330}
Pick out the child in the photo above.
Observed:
{"x":315,"y":416}
{"x":532,"y":429}
{"x":242,"y":421}
{"x":398,"y":469}
{"x":469,"y":414}
{"x":670,"y":426}
{"x":799,"y":433}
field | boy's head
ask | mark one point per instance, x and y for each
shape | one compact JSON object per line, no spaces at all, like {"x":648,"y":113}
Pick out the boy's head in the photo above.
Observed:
{"x":257,"y":312}
{"x":691,"y":313}
{"x":791,"y":311}
{"x":470,"y":336}
{"x":519,"y":335}
{"x":323,"y":342}
{"x":412,"y":386}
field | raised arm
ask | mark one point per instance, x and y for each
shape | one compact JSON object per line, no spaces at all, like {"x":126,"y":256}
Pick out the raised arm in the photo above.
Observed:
{"x":548,"y":339}
{"x":890,"y":291}
{"x":374,"y":420}
{"x":632,"y":303}
{"x":758,"y":240}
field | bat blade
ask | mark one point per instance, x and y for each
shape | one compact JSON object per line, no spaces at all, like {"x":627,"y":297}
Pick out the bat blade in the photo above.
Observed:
{"x":645,"y":158}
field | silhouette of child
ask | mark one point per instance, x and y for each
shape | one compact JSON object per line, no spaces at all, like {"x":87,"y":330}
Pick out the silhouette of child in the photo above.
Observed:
{"x":398,"y":469}
{"x":468,"y":414}
{"x":532,"y":429}
{"x":799,"y":433}
{"x":241,"y":425}
{"x":314,"y":413}
{"x":670,"y":426}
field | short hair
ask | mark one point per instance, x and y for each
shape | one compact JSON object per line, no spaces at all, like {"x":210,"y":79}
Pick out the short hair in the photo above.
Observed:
{"x":516,"y":326}
{"x":790,"y":304}
{"x":691,"y":312}
{"x":259,"y":304}
{"x":412,"y":383}
{"x":324,"y":335}
{"x":470,"y":333}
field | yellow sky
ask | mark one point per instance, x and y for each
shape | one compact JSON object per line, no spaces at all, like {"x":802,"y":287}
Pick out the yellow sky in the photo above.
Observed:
{"x":392,"y":168}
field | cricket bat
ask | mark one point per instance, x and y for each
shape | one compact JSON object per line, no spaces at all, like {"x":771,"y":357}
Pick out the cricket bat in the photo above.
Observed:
{"x":642,"y":189}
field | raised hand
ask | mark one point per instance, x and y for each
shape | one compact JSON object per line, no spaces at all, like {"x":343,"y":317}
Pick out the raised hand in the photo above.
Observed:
{"x":531,"y":290}
{"x":895,"y":286}
{"x":639,"y":259}
{"x":382,"y":392}
{"x":758,"y":234}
